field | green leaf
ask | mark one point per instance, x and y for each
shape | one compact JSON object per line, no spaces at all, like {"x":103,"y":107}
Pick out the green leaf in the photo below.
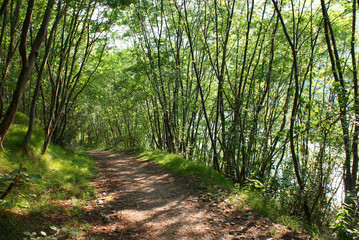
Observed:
{"x":75,"y":231}
{"x":6,"y":205}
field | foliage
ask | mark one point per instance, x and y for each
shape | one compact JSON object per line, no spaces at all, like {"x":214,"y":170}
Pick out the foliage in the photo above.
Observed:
{"x":256,"y":197}
{"x":346,"y":224}
{"x":113,"y":107}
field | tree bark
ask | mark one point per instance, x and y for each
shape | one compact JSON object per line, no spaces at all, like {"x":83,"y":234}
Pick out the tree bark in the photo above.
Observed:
{"x":356,"y":103}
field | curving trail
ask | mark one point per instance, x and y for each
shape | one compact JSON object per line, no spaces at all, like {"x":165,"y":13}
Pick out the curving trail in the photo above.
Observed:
{"x":139,"y":200}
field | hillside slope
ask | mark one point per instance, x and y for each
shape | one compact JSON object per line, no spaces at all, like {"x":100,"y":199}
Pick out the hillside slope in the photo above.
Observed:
{"x":46,"y":181}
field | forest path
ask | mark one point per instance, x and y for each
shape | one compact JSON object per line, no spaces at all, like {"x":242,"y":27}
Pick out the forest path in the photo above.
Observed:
{"x":139,"y":200}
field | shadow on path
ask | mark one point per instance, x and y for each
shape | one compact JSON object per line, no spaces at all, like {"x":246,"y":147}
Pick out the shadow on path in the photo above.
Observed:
{"x":139,"y":200}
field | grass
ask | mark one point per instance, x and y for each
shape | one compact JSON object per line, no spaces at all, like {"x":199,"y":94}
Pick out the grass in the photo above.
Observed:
{"x":57,"y":176}
{"x":263,"y":205}
{"x":122,"y":149}
{"x":176,"y":164}
{"x":241,"y":198}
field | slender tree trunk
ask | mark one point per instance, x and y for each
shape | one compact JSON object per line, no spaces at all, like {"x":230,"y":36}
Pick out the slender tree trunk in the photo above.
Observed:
{"x":356,"y":103}
{"x":39,"y":79}
{"x":198,"y":77}
{"x":3,"y":7}
{"x":342,"y":97}
{"x":295,"y":158}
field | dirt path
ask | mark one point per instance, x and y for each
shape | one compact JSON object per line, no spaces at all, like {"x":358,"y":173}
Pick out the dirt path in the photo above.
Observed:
{"x":139,"y":200}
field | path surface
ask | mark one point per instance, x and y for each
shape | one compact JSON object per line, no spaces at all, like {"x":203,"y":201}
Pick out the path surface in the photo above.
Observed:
{"x":139,"y":200}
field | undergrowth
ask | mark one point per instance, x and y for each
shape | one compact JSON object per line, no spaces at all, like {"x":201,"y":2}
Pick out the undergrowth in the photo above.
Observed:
{"x":48,"y":179}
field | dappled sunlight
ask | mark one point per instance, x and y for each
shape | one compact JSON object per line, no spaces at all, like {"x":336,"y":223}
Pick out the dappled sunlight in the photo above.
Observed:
{"x":149,"y":198}
{"x":139,"y":200}
{"x":136,"y":199}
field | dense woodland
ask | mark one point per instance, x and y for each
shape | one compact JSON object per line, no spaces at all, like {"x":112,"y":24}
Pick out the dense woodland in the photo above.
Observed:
{"x":266,"y":92}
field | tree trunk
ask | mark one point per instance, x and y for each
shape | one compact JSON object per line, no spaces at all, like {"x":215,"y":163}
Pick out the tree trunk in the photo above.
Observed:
{"x":295,"y":158}
{"x":356,"y":104}
{"x":39,"y":79}
{"x":215,"y":162}
{"x":342,"y":98}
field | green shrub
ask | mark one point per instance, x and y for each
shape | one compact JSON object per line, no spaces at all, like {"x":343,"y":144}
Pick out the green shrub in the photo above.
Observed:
{"x":346,"y":224}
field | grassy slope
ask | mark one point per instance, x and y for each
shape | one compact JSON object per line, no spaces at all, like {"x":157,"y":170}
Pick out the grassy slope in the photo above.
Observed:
{"x":56,"y":176}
